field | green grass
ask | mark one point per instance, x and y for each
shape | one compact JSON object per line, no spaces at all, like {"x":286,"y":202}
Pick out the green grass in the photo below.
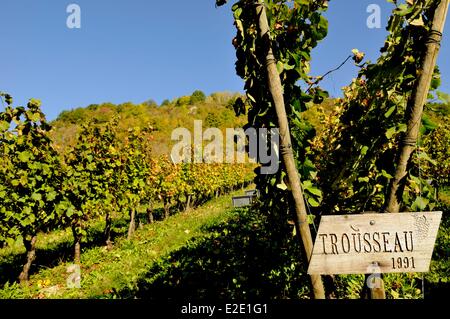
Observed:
{"x":103,"y":271}
{"x":211,"y":252}
{"x":53,"y":248}
{"x":252,"y":255}
{"x":444,"y":195}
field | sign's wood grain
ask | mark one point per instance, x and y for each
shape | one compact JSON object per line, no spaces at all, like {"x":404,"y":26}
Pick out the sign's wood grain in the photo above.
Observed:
{"x":375,"y":243}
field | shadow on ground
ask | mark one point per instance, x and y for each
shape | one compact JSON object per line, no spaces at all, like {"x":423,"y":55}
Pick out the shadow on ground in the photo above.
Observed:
{"x":249,"y":257}
{"x":246,"y":257}
{"x":54,"y":254}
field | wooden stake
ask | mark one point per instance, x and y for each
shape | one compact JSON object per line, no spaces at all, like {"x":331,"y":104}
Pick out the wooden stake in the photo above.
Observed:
{"x":276,"y":91}
{"x":414,"y":117}
{"x":415,"y":107}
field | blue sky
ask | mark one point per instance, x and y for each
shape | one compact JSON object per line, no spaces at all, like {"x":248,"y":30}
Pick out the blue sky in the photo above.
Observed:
{"x":136,"y":50}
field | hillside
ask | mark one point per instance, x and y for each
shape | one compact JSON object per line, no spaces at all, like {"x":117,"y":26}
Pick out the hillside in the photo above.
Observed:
{"x":215,"y":111}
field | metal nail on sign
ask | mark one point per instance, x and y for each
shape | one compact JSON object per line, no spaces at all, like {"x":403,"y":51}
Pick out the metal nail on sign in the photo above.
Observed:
{"x":396,"y":243}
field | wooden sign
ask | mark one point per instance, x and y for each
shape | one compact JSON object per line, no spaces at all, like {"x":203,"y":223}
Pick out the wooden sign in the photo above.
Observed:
{"x":375,"y":243}
{"x":253,"y":192}
{"x":242,"y":201}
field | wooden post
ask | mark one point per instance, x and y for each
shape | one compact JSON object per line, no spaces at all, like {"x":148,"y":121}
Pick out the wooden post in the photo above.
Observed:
{"x":132,"y":226}
{"x":276,"y":91}
{"x":374,"y":293}
{"x":415,"y":107}
{"x":188,"y":204}
{"x":414,"y":117}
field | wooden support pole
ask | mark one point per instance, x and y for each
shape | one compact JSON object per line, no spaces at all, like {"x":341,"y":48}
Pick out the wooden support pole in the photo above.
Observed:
{"x":414,"y":119}
{"x":378,"y":292}
{"x":276,"y":91}
{"x":415,"y":107}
